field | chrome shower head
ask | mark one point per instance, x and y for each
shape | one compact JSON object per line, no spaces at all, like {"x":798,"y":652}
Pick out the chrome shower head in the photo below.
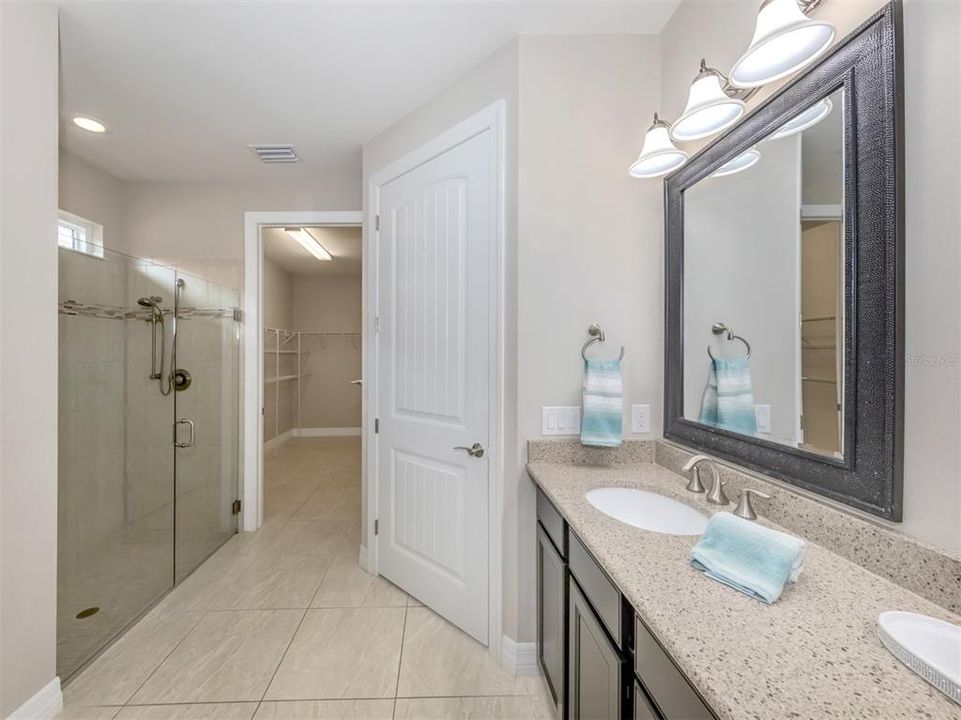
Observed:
{"x":152,"y":302}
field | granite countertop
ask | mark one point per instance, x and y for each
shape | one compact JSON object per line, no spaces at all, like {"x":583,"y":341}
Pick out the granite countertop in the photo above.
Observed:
{"x":813,"y":654}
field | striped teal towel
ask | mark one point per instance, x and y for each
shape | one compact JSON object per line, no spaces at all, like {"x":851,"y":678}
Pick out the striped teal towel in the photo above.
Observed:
{"x":603,"y":404}
{"x":728,"y":400}
{"x":748,"y":557}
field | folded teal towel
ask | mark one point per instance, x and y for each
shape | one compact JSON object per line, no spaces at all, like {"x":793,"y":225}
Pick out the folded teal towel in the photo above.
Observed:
{"x":603,"y":409}
{"x":748,"y":557}
{"x":728,"y":400}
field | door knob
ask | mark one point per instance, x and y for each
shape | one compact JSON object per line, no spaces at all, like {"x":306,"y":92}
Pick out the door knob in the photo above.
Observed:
{"x":475,"y":450}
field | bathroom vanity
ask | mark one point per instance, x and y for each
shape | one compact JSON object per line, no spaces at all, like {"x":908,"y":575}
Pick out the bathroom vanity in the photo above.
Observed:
{"x":626,"y":628}
{"x":599,"y":658}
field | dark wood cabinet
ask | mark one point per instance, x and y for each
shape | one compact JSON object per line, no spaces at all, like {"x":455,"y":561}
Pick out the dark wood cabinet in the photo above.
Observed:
{"x":601,"y":662}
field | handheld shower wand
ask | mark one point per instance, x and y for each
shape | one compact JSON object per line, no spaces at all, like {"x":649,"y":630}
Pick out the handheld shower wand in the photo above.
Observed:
{"x":157,"y":316}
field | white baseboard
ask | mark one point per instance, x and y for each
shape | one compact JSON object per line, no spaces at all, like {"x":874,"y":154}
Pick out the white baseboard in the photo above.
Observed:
{"x":519,"y":658}
{"x":43,"y":706}
{"x":362,"y":558}
{"x":279,"y":440}
{"x":328,"y":432}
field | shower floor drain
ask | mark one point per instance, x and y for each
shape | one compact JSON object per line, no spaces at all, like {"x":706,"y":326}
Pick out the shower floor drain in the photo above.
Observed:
{"x":87,"y":613}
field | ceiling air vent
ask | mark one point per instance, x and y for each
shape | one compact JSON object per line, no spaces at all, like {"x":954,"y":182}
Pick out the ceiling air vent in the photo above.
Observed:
{"x":275,"y":153}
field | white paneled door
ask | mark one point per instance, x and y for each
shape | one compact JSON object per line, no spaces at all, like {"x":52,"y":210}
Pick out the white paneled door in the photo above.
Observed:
{"x":434,"y":349}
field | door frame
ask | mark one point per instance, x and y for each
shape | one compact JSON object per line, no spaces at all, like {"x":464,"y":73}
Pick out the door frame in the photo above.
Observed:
{"x":490,"y":119}
{"x":252,"y":492}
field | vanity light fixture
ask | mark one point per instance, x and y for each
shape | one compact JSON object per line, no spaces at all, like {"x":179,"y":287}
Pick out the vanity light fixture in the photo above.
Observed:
{"x":91,"y":125}
{"x":736,"y":164}
{"x":309,"y":243}
{"x":713,"y":104}
{"x":809,"y":118}
{"x":784,"y":41}
{"x":659,"y":155}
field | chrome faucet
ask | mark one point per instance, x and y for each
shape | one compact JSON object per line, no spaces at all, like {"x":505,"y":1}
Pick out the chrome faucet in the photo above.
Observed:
{"x":692,"y":466}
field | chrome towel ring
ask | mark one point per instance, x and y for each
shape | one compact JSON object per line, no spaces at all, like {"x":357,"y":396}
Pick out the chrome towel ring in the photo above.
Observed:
{"x":720,"y":328}
{"x":597,"y":335}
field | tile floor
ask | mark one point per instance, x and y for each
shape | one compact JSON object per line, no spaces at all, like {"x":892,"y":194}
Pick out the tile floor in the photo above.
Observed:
{"x":282,"y":624}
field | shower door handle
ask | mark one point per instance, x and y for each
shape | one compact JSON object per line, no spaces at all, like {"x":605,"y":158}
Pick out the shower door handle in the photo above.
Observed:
{"x":190,"y":435}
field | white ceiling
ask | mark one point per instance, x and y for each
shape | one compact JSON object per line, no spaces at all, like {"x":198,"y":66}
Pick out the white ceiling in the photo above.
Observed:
{"x":344,"y":243}
{"x":185,"y":86}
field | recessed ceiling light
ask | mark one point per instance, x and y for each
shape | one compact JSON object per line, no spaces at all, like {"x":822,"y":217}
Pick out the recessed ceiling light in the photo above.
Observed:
{"x":89,"y":124}
{"x":309,"y":243}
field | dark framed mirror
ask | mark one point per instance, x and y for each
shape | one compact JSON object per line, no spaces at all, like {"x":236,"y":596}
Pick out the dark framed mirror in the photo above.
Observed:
{"x":785,"y":281}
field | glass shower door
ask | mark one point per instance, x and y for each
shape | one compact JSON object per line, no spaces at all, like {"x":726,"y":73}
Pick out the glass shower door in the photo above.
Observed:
{"x":207,"y":428}
{"x":115,"y":500}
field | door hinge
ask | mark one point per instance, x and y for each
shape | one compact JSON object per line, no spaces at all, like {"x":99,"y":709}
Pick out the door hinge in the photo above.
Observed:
{"x":376,"y":527}
{"x":377,"y":222}
{"x":238,"y":315}
{"x":376,"y":425}
{"x":377,"y":323}
{"x":235,"y":507}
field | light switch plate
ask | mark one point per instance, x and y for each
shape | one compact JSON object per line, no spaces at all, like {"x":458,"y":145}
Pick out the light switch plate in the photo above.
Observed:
{"x":641,"y":419}
{"x":762,"y":413}
{"x":561,"y":420}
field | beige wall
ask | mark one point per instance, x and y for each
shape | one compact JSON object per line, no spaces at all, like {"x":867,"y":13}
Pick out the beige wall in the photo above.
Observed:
{"x":93,"y":194}
{"x":932,"y":464}
{"x":206,"y":220}
{"x":278,"y":296}
{"x":589,"y":247}
{"x":329,"y":304}
{"x":28,"y":353}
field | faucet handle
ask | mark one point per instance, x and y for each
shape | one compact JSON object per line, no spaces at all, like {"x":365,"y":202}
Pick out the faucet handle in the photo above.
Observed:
{"x":744,"y":508}
{"x":695,"y":485}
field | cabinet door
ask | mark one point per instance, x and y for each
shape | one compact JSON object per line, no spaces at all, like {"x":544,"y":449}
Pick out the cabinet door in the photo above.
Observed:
{"x":551,"y":622}
{"x":594,"y":688}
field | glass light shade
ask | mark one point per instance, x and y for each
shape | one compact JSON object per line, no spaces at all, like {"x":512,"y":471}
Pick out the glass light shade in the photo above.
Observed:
{"x":809,"y":118}
{"x":709,"y":109}
{"x":785,"y":40}
{"x":658,"y":155}
{"x":735,"y":165}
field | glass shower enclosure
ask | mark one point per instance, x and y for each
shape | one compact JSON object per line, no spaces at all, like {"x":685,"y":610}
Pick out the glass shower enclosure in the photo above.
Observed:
{"x":149,"y":438}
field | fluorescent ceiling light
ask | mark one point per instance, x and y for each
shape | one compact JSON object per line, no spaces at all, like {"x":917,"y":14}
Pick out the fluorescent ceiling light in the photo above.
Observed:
{"x":709,"y":108}
{"x":84,"y":122}
{"x":801,"y":122}
{"x":784,"y":41}
{"x":658,"y":154}
{"x":309,"y":243}
{"x":735,"y":165}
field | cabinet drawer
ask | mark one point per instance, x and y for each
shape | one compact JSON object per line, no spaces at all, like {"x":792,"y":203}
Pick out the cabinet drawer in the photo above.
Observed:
{"x":642,"y":709}
{"x":597,"y":587}
{"x":675,"y":697}
{"x":552,"y":521}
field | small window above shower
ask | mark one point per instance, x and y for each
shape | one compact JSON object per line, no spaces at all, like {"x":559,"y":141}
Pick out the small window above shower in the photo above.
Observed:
{"x":79,"y":234}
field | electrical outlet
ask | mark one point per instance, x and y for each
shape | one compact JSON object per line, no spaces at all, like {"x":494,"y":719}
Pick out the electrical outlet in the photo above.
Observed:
{"x":561,"y":420}
{"x":641,"y":419}
{"x":762,"y":414}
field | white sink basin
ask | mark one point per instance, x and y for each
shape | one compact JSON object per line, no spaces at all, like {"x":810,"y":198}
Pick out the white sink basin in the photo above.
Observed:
{"x":648,"y":511}
{"x":930,"y":647}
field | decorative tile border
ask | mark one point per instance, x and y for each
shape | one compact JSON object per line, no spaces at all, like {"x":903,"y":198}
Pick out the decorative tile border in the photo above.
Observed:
{"x":116,"y":312}
{"x":931,"y":572}
{"x":569,"y":451}
{"x":108,"y":312}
